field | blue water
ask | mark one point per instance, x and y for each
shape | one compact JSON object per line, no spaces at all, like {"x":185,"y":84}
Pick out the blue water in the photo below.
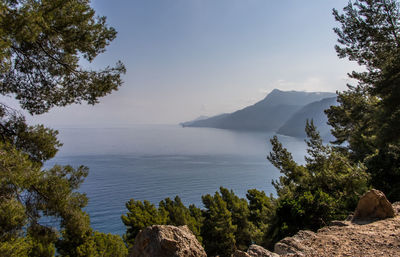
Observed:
{"x":159,"y":161}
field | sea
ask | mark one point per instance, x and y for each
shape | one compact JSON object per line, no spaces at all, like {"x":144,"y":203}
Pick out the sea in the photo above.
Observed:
{"x":153,"y":162}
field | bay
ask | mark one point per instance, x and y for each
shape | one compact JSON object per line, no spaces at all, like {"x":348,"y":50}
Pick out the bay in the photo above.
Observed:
{"x":152,"y":162}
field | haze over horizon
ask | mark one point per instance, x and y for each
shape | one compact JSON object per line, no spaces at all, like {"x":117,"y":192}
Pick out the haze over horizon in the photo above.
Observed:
{"x":185,"y":58}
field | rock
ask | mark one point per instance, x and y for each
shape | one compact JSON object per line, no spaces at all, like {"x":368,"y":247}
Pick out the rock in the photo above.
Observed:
{"x":239,"y":253}
{"x":258,"y":251}
{"x":293,"y":246}
{"x":350,"y":217}
{"x":360,"y":238}
{"x":373,"y":204}
{"x":255,"y":251}
{"x":304,"y":235}
{"x":166,"y":241}
{"x":396,"y":207}
{"x":338,"y":223}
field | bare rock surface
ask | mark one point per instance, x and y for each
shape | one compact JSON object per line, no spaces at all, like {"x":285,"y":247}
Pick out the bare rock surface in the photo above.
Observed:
{"x":258,"y":251}
{"x":294,"y":246}
{"x":373,"y":204}
{"x":255,"y":251}
{"x":367,"y":236}
{"x":166,"y":241}
{"x":239,"y":253}
{"x":379,"y":238}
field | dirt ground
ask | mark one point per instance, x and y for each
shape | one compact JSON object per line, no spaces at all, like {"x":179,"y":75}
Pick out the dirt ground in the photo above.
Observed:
{"x":347,"y":238}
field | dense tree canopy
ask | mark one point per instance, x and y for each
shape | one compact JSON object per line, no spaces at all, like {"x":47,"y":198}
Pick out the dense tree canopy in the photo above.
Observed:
{"x":42,"y":45}
{"x":367,"y":120}
{"x":325,"y":188}
{"x":226,"y":223}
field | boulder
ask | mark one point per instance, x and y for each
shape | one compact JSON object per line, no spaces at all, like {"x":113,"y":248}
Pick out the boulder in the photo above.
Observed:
{"x":373,"y":205}
{"x":258,"y":251}
{"x":396,"y":208}
{"x":339,"y":223}
{"x":239,"y":253}
{"x":166,"y":241}
{"x":255,"y":251}
{"x":294,"y":246}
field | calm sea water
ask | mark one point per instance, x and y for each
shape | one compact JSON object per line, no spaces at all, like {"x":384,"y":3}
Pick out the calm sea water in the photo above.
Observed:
{"x":159,"y":161}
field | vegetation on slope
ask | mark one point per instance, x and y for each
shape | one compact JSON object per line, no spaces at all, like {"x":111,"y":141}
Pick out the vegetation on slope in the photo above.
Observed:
{"x":40,"y":49}
{"x":268,"y":114}
{"x":42,"y":43}
{"x":366,"y":151}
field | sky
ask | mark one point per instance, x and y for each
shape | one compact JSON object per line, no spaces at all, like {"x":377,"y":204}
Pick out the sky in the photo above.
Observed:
{"x":187,"y":58}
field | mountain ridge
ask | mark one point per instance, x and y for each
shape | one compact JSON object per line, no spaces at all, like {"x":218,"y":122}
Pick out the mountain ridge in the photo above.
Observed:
{"x":295,"y":125}
{"x":269,"y":114}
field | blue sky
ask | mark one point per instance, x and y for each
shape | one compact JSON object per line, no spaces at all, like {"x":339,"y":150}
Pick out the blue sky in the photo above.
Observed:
{"x":187,"y":58}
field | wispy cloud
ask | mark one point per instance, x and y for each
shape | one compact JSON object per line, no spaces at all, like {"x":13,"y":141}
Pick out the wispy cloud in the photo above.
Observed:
{"x":310,"y":84}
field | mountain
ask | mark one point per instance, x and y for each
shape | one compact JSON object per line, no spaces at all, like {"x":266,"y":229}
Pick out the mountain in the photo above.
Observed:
{"x":187,"y":123}
{"x":314,"y":111}
{"x":208,"y":122}
{"x":268,"y":114}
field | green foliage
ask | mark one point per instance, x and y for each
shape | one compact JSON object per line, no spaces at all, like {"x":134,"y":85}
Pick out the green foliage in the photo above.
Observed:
{"x":369,"y":35}
{"x":197,"y":215}
{"x":16,"y":247}
{"x":177,"y":214}
{"x":262,"y":209}
{"x":12,"y":219}
{"x":103,"y":245}
{"x":41,"y":47}
{"x":42,"y":239}
{"x":38,"y":142}
{"x":140,"y":215}
{"x":218,"y":230}
{"x":226,"y":223}
{"x":260,"y":205}
{"x":42,"y":44}
{"x":327,"y":187}
{"x":239,"y":209}
{"x":28,"y":193}
{"x":170,"y":212}
{"x":368,"y":116}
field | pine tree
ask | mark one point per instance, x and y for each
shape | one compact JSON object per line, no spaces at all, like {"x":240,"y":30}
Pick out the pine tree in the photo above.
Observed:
{"x":218,"y":231}
{"x":325,"y":188}
{"x":366,"y":121}
{"x":41,"y":46}
{"x":239,"y":209}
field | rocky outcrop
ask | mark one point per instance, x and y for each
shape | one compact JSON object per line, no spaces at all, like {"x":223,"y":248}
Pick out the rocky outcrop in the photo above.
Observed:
{"x":239,"y":253}
{"x":378,"y":238}
{"x":166,"y":241}
{"x":294,"y":245}
{"x":363,"y":235}
{"x":372,"y":205}
{"x":255,"y":251}
{"x":258,"y":251}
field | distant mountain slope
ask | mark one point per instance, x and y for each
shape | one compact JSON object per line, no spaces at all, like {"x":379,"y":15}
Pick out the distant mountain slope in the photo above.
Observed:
{"x":187,"y":123}
{"x":295,"y":125}
{"x":268,"y":114}
{"x":207,"y":122}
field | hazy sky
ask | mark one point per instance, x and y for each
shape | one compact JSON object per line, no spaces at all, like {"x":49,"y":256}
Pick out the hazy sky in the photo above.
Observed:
{"x":187,"y":58}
